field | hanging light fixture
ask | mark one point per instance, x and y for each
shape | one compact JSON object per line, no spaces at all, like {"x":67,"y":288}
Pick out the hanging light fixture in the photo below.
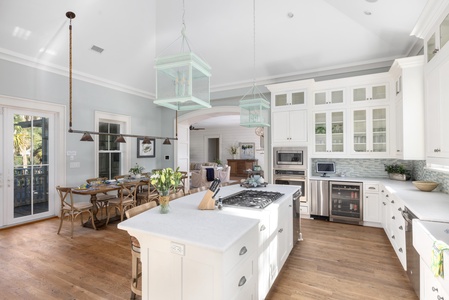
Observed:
{"x":182,"y":80}
{"x":87,"y":135}
{"x":254,"y":107}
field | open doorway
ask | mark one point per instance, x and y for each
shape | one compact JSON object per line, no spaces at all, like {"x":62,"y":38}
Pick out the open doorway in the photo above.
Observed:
{"x":213,"y":149}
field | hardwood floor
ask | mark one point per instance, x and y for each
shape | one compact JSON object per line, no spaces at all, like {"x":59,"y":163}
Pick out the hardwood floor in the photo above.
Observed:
{"x":341,"y":261}
{"x":335,"y":261}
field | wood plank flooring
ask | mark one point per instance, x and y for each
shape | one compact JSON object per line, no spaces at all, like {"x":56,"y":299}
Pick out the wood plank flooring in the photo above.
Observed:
{"x":335,"y":261}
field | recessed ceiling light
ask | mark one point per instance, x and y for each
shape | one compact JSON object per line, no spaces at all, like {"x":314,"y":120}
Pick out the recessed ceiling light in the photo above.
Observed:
{"x":371,"y":1}
{"x":290,"y":15}
{"x":367,"y":12}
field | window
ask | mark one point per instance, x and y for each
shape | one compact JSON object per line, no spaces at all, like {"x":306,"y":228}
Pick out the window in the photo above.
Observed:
{"x":109,"y":152}
{"x":112,"y":158}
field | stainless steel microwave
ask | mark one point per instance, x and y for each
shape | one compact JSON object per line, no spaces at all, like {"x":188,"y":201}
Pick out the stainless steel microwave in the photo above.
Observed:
{"x":290,"y":157}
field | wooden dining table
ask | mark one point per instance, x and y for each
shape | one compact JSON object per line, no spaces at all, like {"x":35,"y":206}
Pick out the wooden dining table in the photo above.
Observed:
{"x":92,"y":192}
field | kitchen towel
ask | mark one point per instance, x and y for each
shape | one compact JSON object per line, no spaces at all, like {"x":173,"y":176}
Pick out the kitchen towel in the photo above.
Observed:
{"x":437,"y":258}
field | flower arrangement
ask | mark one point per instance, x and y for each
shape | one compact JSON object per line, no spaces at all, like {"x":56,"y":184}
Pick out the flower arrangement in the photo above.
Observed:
{"x":233,"y":150}
{"x":165,"y":180}
{"x":136,"y":169}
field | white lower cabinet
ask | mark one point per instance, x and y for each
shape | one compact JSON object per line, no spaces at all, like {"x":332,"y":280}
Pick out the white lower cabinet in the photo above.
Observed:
{"x":202,"y":273}
{"x":371,"y":205}
{"x":394,"y":224}
{"x":431,"y":287}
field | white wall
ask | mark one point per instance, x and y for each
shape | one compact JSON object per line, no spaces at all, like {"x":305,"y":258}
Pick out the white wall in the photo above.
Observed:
{"x":228,"y":136}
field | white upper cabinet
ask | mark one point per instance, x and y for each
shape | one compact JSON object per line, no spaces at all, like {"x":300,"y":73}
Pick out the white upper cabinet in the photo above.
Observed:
{"x":370,"y":92}
{"x":369,"y":131}
{"x":295,"y":99}
{"x":409,"y":107}
{"x":329,"y":131}
{"x":438,"y":38}
{"x":329,"y":97}
{"x":289,"y":127}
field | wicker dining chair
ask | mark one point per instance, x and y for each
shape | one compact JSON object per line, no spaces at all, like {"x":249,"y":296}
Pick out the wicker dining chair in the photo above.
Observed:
{"x":148,"y":194}
{"x":72,"y":209}
{"x":136,"y":266}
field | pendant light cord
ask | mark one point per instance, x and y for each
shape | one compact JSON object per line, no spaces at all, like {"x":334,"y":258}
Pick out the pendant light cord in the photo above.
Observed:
{"x":70,"y":15}
{"x":254,"y":44}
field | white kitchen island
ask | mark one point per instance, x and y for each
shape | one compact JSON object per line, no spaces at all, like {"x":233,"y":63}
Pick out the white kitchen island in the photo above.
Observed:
{"x":234,"y":253}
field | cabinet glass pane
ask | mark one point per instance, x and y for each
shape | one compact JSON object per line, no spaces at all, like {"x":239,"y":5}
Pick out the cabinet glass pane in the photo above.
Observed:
{"x":359,"y":94}
{"x":379,"y":92}
{"x":298,"y":98}
{"x":320,"y":132}
{"x":337,"y":96}
{"x":337,"y":131}
{"x":379,"y":130}
{"x":359,"y":131}
{"x":444,"y":32}
{"x":320,"y":98}
{"x":431,"y":47}
{"x":280,"y":100}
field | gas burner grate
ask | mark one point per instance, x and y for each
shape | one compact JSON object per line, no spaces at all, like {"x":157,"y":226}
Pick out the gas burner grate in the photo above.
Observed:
{"x":251,"y":199}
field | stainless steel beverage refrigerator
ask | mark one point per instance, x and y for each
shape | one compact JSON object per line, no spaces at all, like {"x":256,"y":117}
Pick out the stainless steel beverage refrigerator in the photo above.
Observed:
{"x":345,"y":203}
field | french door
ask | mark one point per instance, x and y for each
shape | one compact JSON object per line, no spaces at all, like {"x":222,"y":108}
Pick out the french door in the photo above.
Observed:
{"x":27,"y":165}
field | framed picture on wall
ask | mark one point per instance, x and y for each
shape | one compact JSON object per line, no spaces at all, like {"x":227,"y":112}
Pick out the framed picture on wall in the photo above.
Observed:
{"x":247,"y":150}
{"x":146,"y":150}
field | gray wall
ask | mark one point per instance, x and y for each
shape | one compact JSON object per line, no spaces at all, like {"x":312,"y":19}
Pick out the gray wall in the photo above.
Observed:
{"x":21,"y":81}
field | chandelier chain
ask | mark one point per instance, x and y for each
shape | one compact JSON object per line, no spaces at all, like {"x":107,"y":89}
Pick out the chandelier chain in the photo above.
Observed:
{"x":70,"y":73}
{"x":254,"y":43}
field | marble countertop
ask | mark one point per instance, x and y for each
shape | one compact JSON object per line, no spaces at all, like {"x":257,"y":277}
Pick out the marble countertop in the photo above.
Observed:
{"x":212,"y":229}
{"x":431,"y":206}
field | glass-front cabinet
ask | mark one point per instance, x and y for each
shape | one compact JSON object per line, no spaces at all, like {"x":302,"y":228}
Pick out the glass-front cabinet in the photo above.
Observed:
{"x":438,"y":39}
{"x":329,"y":131}
{"x":372,"y":92}
{"x":329,"y":97}
{"x":297,"y":98}
{"x":370,"y":130}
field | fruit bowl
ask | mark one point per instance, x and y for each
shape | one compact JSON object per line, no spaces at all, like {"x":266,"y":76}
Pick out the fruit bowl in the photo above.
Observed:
{"x":425,"y":186}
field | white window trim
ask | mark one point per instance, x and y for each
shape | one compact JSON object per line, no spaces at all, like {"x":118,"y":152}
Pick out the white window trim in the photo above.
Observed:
{"x":125,"y":127}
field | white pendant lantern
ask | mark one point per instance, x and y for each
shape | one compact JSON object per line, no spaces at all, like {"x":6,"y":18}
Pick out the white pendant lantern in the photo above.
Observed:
{"x":254,"y":108}
{"x":182,"y":80}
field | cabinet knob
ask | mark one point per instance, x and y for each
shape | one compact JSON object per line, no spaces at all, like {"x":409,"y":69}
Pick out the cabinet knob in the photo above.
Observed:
{"x":435,"y":51}
{"x":392,"y":201}
{"x":262,"y":228}
{"x":242,"y":281}
{"x":400,"y":250}
{"x":243,"y":251}
{"x":401,"y":228}
{"x":400,"y":209}
{"x":440,"y":298}
{"x":434,"y":289}
{"x":281,"y":230}
{"x":393,"y":218}
{"x":393,"y":237}
{"x":384,"y":203}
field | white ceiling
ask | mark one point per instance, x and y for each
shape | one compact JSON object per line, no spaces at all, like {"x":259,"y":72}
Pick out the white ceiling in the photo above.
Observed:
{"x":322,"y":37}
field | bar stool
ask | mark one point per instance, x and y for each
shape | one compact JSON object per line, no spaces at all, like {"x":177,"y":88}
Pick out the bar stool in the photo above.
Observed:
{"x":136,"y":266}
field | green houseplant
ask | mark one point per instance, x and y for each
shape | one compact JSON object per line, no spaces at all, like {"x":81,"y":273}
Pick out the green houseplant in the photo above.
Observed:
{"x":136,"y":170}
{"x":164,"y":181}
{"x":397,"y":172}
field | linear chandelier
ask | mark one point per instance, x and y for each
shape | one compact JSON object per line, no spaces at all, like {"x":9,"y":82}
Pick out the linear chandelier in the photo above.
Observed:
{"x":87,"y":135}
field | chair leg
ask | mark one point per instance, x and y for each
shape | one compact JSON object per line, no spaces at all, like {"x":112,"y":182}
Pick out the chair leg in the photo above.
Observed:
{"x":60,"y":223}
{"x":108,"y":209}
{"x":92,"y":218}
{"x":71,"y":221}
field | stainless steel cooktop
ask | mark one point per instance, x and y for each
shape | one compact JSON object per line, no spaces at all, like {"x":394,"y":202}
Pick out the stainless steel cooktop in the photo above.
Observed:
{"x":251,"y":199}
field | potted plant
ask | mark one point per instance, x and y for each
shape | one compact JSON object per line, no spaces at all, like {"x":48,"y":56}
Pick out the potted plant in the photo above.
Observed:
{"x":136,"y":171}
{"x":164,"y":181}
{"x":397,"y":172}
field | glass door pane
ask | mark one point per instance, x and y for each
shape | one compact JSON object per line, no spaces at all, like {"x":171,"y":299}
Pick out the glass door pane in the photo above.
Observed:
{"x":298,"y":98}
{"x":359,"y":130}
{"x":31,"y":165}
{"x":337,"y":96}
{"x":320,"y":132}
{"x":359,"y":94}
{"x":379,"y":130}
{"x":337,"y":131}
{"x":444,"y":32}
{"x":280,"y":100}
{"x":431,"y":47}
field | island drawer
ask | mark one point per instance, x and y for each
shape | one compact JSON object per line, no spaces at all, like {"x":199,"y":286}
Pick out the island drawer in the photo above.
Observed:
{"x":243,"y":248}
{"x":239,"y":279}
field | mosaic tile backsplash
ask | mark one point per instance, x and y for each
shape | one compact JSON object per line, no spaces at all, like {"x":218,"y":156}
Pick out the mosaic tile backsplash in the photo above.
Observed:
{"x":375,"y":168}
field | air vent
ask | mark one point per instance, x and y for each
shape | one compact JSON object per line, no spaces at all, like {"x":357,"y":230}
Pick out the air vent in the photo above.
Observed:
{"x":97,"y":49}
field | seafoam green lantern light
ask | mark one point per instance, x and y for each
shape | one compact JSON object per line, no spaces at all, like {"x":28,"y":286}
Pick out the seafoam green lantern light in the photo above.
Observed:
{"x":182,"y":80}
{"x":254,"y":108}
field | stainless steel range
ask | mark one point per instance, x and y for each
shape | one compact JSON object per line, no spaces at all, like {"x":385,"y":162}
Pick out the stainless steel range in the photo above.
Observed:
{"x":251,"y":199}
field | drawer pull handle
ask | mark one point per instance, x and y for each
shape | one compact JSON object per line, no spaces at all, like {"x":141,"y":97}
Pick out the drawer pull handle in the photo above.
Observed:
{"x":401,"y":228}
{"x":243,"y":251}
{"x":242,"y":281}
{"x":434,"y":289}
{"x":400,"y":250}
{"x":280,"y":230}
{"x":371,"y":188}
{"x":440,"y":298}
{"x":262,"y":228}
